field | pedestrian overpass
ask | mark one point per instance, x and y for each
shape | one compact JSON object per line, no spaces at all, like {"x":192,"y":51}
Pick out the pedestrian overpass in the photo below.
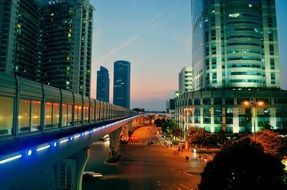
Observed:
{"x":45,"y":133}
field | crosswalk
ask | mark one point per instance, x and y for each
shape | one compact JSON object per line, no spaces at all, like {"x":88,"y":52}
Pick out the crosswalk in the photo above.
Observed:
{"x":143,"y":144}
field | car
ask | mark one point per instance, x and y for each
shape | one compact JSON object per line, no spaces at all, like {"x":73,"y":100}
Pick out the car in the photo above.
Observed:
{"x":90,"y":175}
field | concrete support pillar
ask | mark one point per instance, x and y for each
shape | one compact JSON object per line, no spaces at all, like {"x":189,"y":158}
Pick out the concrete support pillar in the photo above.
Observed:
{"x":68,"y":173}
{"x":114,"y":141}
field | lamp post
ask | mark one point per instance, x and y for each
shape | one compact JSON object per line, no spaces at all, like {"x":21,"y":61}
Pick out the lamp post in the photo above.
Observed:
{"x":186,"y":114}
{"x":253,"y":105}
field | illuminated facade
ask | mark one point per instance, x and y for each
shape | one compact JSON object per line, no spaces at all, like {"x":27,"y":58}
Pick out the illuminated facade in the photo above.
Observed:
{"x":234,"y":44}
{"x":48,"y":41}
{"x":224,"y":109}
{"x":234,"y":59}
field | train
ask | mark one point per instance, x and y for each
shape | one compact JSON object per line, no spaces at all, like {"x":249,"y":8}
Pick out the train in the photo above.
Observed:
{"x":29,"y":107}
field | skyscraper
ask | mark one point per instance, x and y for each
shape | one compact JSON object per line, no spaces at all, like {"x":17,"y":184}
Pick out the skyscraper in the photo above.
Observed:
{"x":185,"y":80}
{"x":68,"y":45}
{"x":122,"y":83}
{"x":234,"y":44}
{"x":20,"y":39}
{"x":103,"y":84}
{"x":235,"y":68}
{"x":48,"y":41}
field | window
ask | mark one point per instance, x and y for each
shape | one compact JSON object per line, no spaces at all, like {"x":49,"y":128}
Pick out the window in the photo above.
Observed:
{"x":271,"y":49}
{"x":64,"y":115}
{"x":35,"y":113}
{"x":197,"y":115}
{"x":206,"y":101}
{"x":92,"y":113}
{"x":6,"y":116}
{"x":272,"y":64}
{"x":196,"y":101}
{"x":78,"y":114}
{"x":217,"y":115}
{"x":56,"y":114}
{"x":86,"y":114}
{"x":24,"y":115}
{"x":206,"y":115}
{"x":229,"y":115}
{"x":70,"y":113}
{"x":217,"y":101}
{"x":48,"y":114}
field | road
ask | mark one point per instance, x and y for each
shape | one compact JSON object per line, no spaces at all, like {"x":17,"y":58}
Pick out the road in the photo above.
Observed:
{"x":143,"y":167}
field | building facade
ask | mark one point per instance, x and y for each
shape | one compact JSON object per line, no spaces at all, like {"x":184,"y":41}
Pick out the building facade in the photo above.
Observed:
{"x":122,"y":83}
{"x":234,"y":44}
{"x":235,"y":68}
{"x":103,"y":84}
{"x":185,"y":80}
{"x":225,"y":109}
{"x":48,"y":41}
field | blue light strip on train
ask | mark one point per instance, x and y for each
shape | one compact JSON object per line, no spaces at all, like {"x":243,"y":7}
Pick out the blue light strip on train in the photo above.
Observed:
{"x":41,"y":148}
{"x":10,"y":159}
{"x":54,"y":143}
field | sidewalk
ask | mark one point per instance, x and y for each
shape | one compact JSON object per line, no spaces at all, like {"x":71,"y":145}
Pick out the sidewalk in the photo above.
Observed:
{"x":201,"y":154}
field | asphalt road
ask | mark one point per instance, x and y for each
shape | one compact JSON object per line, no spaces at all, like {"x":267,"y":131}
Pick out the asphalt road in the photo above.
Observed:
{"x":142,"y":166}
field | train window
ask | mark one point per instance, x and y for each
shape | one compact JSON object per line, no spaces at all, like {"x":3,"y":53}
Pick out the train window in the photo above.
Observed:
{"x":56,"y":114}
{"x":64,"y":115}
{"x":6,"y":116}
{"x":35,"y":113}
{"x":92,"y":113}
{"x":86,"y":114}
{"x":78,"y":114}
{"x":24,"y":116}
{"x":70,"y":112}
{"x":48,"y":114}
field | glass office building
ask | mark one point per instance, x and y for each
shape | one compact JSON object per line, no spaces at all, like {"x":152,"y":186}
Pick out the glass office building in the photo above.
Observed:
{"x":235,"y":68}
{"x":234,"y":44}
{"x":122,"y":70}
{"x":103,"y":84}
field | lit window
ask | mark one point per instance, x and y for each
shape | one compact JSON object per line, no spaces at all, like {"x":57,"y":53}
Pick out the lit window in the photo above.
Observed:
{"x":234,"y":15}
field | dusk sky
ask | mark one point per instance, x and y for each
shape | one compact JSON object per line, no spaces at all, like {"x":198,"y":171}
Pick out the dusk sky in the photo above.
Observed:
{"x":155,"y":36}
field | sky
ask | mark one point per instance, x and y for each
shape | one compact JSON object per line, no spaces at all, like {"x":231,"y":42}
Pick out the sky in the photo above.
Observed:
{"x":155,"y":36}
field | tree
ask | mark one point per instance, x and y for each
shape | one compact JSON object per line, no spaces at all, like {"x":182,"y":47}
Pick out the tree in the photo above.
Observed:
{"x":197,"y":135}
{"x":176,"y":132}
{"x":271,"y":142}
{"x":243,"y":165}
{"x":167,"y":125}
{"x":221,"y":137}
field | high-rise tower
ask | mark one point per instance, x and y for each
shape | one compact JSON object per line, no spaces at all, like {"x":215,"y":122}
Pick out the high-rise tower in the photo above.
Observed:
{"x":103,"y":84}
{"x":48,"y":41}
{"x":68,"y":45}
{"x":234,"y":44}
{"x":122,"y":83}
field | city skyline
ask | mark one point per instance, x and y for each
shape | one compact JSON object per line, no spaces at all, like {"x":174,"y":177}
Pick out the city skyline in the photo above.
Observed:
{"x":164,"y":27}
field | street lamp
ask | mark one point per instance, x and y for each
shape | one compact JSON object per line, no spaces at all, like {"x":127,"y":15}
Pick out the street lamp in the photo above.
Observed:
{"x":253,"y":105}
{"x":187,"y":111}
